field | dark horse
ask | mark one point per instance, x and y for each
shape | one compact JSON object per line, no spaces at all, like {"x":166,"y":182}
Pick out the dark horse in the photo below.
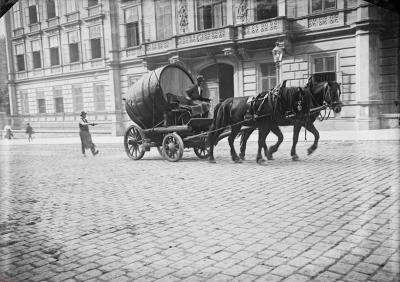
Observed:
{"x":260,"y":112}
{"x":323,"y":95}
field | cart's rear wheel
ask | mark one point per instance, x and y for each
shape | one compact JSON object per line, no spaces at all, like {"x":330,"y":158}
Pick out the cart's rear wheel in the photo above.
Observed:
{"x":133,"y":141}
{"x":201,"y":152}
{"x":172,"y":147}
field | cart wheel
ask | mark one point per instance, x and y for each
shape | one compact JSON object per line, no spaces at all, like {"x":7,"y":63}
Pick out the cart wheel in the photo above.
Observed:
{"x":133,"y":141}
{"x":172,"y":147}
{"x":201,"y":152}
{"x":160,"y":151}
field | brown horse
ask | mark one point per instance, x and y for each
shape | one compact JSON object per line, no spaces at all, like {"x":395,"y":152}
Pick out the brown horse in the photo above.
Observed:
{"x":323,"y":94}
{"x":264,"y":112}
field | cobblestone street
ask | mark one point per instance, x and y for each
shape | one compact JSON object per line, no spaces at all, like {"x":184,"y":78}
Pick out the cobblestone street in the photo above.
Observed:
{"x":332,"y":216}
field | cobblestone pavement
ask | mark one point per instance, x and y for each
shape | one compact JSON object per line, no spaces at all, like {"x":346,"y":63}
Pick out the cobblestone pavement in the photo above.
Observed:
{"x":332,"y":216}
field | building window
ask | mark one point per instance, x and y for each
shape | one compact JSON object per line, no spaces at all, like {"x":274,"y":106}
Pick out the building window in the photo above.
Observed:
{"x":54,"y":56}
{"x":41,"y":106}
{"x":95,"y":41}
{"x":163,"y":19}
{"x":24,"y":103}
{"x":132,"y":27}
{"x":77,"y":98}
{"x":20,"y":57}
{"x":267,"y":76}
{"x":132,"y":34}
{"x":54,"y":53}
{"x":51,"y":9}
{"x":59,"y":104}
{"x":33,"y":14}
{"x":71,"y":6}
{"x":58,"y":100}
{"x":36,"y":55}
{"x":92,"y":3}
{"x":37,"y":61}
{"x":73,"y":44}
{"x":17,"y":15}
{"x":95,"y":46}
{"x":99,"y":97}
{"x":211,"y":14}
{"x":266,"y":9}
{"x":324,"y":69}
{"x":322,"y":5}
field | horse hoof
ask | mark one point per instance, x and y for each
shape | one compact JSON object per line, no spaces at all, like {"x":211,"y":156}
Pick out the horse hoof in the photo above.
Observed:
{"x":237,"y":161}
{"x":310,"y":151}
{"x":270,"y":157}
{"x":242,"y":157}
{"x":260,"y":161}
{"x":212,"y":161}
{"x":295,"y":158}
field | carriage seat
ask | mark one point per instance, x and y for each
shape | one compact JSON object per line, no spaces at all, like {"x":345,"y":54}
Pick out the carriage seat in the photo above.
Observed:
{"x":181,"y":103}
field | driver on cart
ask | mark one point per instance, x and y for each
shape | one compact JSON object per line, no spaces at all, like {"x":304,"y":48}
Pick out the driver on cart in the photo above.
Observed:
{"x":195,"y":94}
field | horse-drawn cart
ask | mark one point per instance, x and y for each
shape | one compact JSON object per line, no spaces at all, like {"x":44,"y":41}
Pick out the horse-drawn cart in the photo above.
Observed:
{"x":163,"y":117}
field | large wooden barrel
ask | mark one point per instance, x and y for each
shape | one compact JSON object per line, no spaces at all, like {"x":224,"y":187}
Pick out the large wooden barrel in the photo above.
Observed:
{"x":146,"y":100}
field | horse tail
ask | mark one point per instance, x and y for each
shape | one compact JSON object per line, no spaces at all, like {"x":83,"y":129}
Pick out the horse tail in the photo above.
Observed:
{"x":216,"y":108}
{"x":214,"y":125}
{"x":226,"y":113}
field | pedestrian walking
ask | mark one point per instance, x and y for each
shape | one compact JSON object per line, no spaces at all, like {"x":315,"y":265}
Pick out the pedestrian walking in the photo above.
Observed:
{"x":86,"y":138}
{"x":8,"y":132}
{"x":29,"y":131}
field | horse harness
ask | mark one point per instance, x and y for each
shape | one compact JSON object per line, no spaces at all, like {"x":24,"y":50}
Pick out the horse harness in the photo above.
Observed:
{"x":254,"y":108}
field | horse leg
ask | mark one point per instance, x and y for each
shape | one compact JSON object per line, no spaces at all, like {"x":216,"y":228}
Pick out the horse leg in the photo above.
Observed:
{"x":231,"y":139}
{"x":243,"y":142}
{"x":310,"y":127}
{"x":296,"y":131}
{"x":265,"y":147}
{"x":261,"y":142}
{"x":277,"y":131}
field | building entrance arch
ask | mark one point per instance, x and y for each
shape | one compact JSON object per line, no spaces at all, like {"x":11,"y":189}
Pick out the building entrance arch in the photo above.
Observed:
{"x":219,"y":81}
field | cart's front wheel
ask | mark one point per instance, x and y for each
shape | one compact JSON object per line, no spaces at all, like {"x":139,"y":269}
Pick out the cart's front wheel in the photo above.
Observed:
{"x":201,"y":152}
{"x":172,"y":147}
{"x":133,"y":141}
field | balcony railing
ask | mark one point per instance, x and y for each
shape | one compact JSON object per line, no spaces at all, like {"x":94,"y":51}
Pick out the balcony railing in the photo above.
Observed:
{"x":18,"y":31}
{"x":53,"y":22}
{"x":34,"y":27}
{"x":72,"y":16}
{"x":94,"y":11}
{"x":159,"y":46}
{"x":264,"y":28}
{"x":206,"y":36}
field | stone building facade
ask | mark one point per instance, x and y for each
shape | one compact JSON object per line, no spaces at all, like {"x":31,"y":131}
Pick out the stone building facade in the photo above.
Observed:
{"x":73,"y":55}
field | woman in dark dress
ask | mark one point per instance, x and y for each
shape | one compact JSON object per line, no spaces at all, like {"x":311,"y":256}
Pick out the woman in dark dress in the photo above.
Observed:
{"x":86,"y":138}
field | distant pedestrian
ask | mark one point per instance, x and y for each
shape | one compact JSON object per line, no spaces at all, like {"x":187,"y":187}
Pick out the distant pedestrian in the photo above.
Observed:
{"x":86,"y":138}
{"x":29,"y":131}
{"x":8,"y":132}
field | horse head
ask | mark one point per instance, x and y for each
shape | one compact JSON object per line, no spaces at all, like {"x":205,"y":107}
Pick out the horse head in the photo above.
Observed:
{"x":332,"y":96}
{"x":327,"y":92}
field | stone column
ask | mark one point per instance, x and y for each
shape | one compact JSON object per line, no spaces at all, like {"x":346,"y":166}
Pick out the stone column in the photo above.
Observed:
{"x":10,"y":65}
{"x":368,"y":96}
{"x":111,"y":31}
